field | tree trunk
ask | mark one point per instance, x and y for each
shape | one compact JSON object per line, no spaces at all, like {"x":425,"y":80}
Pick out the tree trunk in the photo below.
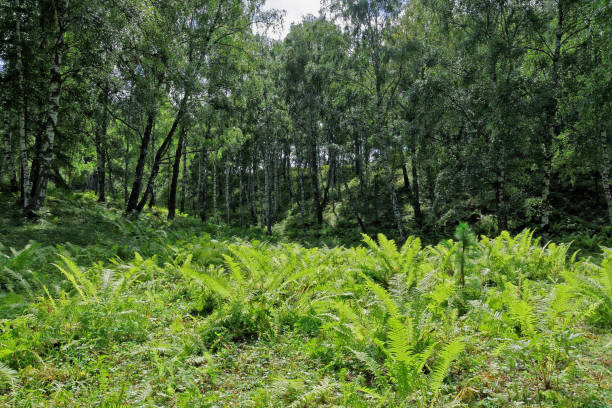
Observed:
{"x":175,"y":173}
{"x":214,"y":190}
{"x":287,"y":171}
{"x":330,"y":175}
{"x":142,"y":157}
{"x":268,"y":193}
{"x":605,"y":168}
{"x":501,"y":185}
{"x":546,"y":190}
{"x":302,"y":195}
{"x":109,"y":171}
{"x":202,"y":186}
{"x":240,"y":176}
{"x":24,"y":172}
{"x":251,"y":194}
{"x":8,"y":163}
{"x":100,"y":138}
{"x":160,"y":154}
{"x":406,"y":179}
{"x":314,"y":165}
{"x":184,"y":178}
{"x":276,"y":184}
{"x":554,"y":128}
{"x":126,"y":173}
{"x":227,"y":194}
{"x":45,"y":150}
{"x":416,"y":201}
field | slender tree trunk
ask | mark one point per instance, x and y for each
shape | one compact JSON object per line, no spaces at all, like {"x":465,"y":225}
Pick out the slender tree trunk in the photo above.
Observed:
{"x":554,"y":128}
{"x":142,"y":157}
{"x":23,"y":144}
{"x":546,"y":189}
{"x":252,"y":198}
{"x":287,"y":171}
{"x":314,"y":165}
{"x":184,"y":178}
{"x":358,"y":157}
{"x":501,"y":183}
{"x":202,"y":186}
{"x":175,"y":173}
{"x":100,"y":139}
{"x":330,"y":175}
{"x":416,"y":201}
{"x":126,"y":167}
{"x":276,"y":183}
{"x":8,"y":163}
{"x":268,"y":194}
{"x":109,"y":162}
{"x":152,"y":197}
{"x":240,"y":176}
{"x":406,"y":179}
{"x":43,"y":162}
{"x":605,"y":169}
{"x":215,"y":192}
{"x":227,"y":194}
{"x":302,"y":195}
{"x":160,"y":154}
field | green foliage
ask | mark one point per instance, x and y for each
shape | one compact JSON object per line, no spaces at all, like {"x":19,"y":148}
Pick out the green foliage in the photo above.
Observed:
{"x":211,"y":320}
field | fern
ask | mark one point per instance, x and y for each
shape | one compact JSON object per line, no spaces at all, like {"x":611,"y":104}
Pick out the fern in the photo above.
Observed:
{"x":383,"y":296}
{"x":400,"y":340}
{"x":371,"y":364}
{"x":448,"y":354}
{"x":8,"y":375}
{"x":318,"y":392}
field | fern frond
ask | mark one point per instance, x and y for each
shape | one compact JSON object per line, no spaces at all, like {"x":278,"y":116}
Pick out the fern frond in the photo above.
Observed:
{"x":382,"y":295}
{"x":309,"y":399}
{"x":8,"y":374}
{"x":234,"y":268}
{"x":400,"y":340}
{"x":449,"y":354}
{"x":367,"y":360}
{"x":213,"y":283}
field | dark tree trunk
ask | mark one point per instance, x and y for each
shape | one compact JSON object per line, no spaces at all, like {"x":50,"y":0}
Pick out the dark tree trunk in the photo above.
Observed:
{"x":160,"y":154}
{"x":126,"y":167}
{"x":175,"y":173}
{"x":109,"y":171}
{"x":100,"y":139}
{"x":302,"y":195}
{"x":406,"y":179}
{"x":605,"y":172}
{"x":314,"y":166}
{"x":142,"y":157}
{"x":184,"y":178}
{"x":416,"y":202}
{"x":8,"y":163}
{"x":202,"y":186}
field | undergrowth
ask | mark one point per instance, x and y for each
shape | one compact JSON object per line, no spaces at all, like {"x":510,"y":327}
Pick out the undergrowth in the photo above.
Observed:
{"x":145,"y":313}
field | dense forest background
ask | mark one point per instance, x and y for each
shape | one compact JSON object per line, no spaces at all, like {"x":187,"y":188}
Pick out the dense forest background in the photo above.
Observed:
{"x":381,"y":115}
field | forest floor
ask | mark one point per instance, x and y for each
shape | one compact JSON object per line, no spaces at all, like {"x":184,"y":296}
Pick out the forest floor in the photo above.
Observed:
{"x":100,"y":310}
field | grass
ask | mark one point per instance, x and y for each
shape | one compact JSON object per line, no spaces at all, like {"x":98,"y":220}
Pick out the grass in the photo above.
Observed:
{"x":99,"y":310}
